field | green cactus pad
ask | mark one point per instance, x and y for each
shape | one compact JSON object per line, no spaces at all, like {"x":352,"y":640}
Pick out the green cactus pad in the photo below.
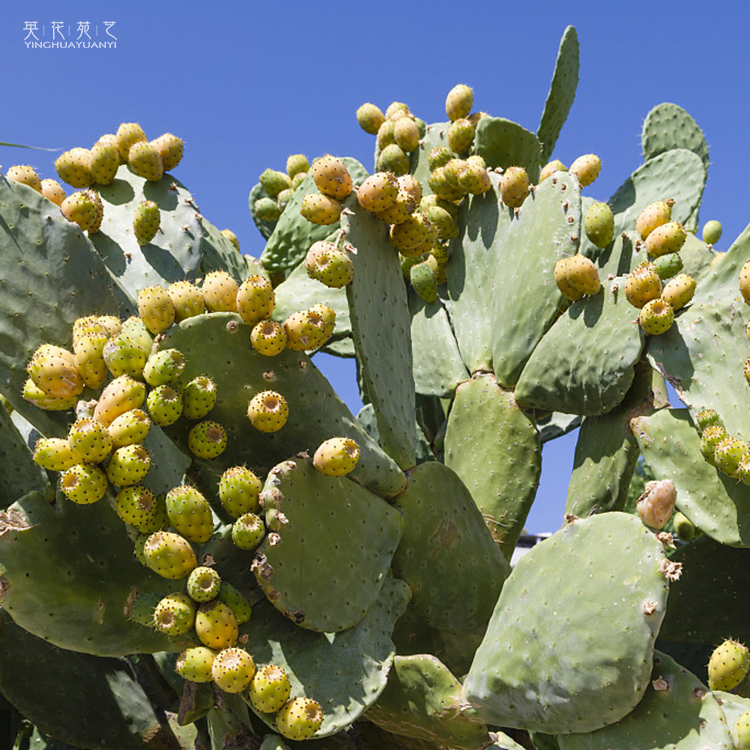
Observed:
{"x":436,"y":135}
{"x":585,"y":363}
{"x":733,"y":707}
{"x":502,"y":143}
{"x":69,"y":576}
{"x":346,"y":671}
{"x":218,"y":345}
{"x":712,"y":501}
{"x":294,"y":234}
{"x":533,"y":669}
{"x":447,"y":555}
{"x":556,"y":424}
{"x":561,"y":94}
{"x":668,"y":126}
{"x":495,"y":449}
{"x":381,"y":327}
{"x":20,"y":474}
{"x":677,"y":712}
{"x":328,"y":548}
{"x":697,"y":257}
{"x":422,"y":700}
{"x":438,"y":368}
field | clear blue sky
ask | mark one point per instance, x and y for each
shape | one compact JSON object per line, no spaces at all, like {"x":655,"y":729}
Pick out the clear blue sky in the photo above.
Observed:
{"x":247,"y":83}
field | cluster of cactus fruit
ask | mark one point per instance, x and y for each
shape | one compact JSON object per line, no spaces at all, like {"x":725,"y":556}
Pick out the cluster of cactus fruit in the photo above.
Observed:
{"x":200,"y":538}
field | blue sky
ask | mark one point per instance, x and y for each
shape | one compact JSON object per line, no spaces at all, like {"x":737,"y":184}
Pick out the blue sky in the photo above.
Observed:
{"x":247,"y":83}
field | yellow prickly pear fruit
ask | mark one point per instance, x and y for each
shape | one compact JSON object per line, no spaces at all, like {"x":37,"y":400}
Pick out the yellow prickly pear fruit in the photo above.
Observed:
{"x":81,"y":208}
{"x":656,"y":317}
{"x":88,"y":347}
{"x":728,"y":666}
{"x":104,"y":162}
{"x":35,"y":395}
{"x":385,"y":135}
{"x":667,"y":238}
{"x":169,"y":555}
{"x":175,"y":614}
{"x":514,"y":186}
{"x":370,"y":117}
{"x":73,"y":167}
{"x":195,"y":663}
{"x":406,"y":134}
{"x":90,"y":441}
{"x":323,"y":316}
{"x":656,"y":505}
{"x":329,"y":265}
{"x":459,"y":102}
{"x":129,"y":428}
{"x":576,"y":277}
{"x":474,"y":178}
{"x":199,"y":397}
{"x":52,"y":369}
{"x":299,"y":719}
{"x":128,"y":134}
{"x":268,"y":338}
{"x":239,"y":490}
{"x":190,"y":514}
{"x":408,"y":183}
{"x":255,"y":300}
{"x":654,"y":215}
{"x":336,"y":457}
{"x":268,"y":411}
{"x":84,"y":484}
{"x":26,"y":175}
{"x":745,"y":283}
{"x":562,"y":271}
{"x":112,"y":323}
{"x":233,"y":669}
{"x":216,"y":625}
{"x":170,"y":149}
{"x":599,"y":224}
{"x":207,"y":439}
{"x":54,"y":454}
{"x":400,"y":210}
{"x":442,"y":186}
{"x":642,"y":285}
{"x":270,"y":689}
{"x":187,"y":300}
{"x":393,"y":159}
{"x":53,"y":191}
{"x":586,"y":168}
{"x":396,"y":110}
{"x":416,"y":230}
{"x":232,"y":237}
{"x":155,"y":308}
{"x":305,"y":331}
{"x":378,"y":192}
{"x":332,"y":177}
{"x":550,"y":168}
{"x":145,"y":161}
{"x":461,"y":135}
{"x":121,"y":395}
{"x":220,"y":292}
{"x":679,"y":290}
{"x":320,"y":209}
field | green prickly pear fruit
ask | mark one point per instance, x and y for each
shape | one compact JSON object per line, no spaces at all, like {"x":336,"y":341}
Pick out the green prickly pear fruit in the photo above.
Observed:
{"x":385,"y":135}
{"x":668,"y":265}
{"x":743,"y":469}
{"x":378,"y":192}
{"x":273,"y":182}
{"x":239,"y":490}
{"x":710,"y":439}
{"x":220,"y":292}
{"x":683,"y":527}
{"x":137,"y":506}
{"x":707,"y":418}
{"x":145,"y":161}
{"x":136,"y":329}
{"x":514,"y":186}
{"x":298,"y":179}
{"x":299,"y":719}
{"x":90,"y":441}
{"x":104,"y":162}
{"x":255,"y":300}
{"x":667,"y":238}
{"x":88,"y":348}
{"x":119,"y":396}
{"x":268,"y":338}
{"x":410,"y":234}
{"x":284,"y":197}
{"x":443,"y":222}
{"x":712,"y":232}
{"x":164,"y":367}
{"x":198,"y":397}
{"x":26,"y":175}
{"x":74,"y":168}
{"x":236,"y":601}
{"x":207,"y":440}
{"x":453,"y":171}
{"x":679,"y":291}
{"x":727,"y":455}
{"x":329,"y":265}
{"x":216,"y":625}
{"x":124,"y":356}
{"x":336,"y":457}
{"x":393,"y":159}
{"x":128,"y":465}
{"x":424,"y":281}
{"x":331,"y":177}
{"x":267,"y":209}
{"x":232,"y":237}
{"x":439,"y":156}
{"x":270,"y":689}
{"x":170,"y":149}
{"x":84,"y":484}
{"x":461,"y":135}
{"x":653,"y":216}
{"x":474,"y":178}
{"x":656,"y":317}
{"x":146,"y":222}
{"x":128,"y":134}
{"x":656,"y":505}
{"x":728,"y":665}
{"x":642,"y":285}
{"x":442,"y":187}
{"x":53,"y":454}
{"x":52,"y":369}
{"x":745,"y":283}
{"x":406,"y":134}
{"x":296,"y":164}
{"x":741,"y":732}
{"x":550,"y":168}
{"x":599,"y":224}
{"x":233,"y":669}
{"x":248,"y":531}
{"x":268,"y":411}
{"x":155,"y":308}
{"x":190,"y":514}
{"x":169,"y":555}
{"x":53,"y":191}
{"x":586,"y":168}
{"x":370,"y":117}
{"x":81,"y":209}
{"x":203,"y":584}
{"x":187,"y":300}
{"x":459,"y":102}
{"x":164,"y":404}
{"x":400,"y":210}
{"x":195,"y":663}
{"x":174,"y":615}
{"x":35,"y":395}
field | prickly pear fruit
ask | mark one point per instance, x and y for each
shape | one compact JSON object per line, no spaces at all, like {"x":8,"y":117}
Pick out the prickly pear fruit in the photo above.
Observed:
{"x":550,"y":168}
{"x":268,"y":338}
{"x":138,"y":506}
{"x":220,"y":292}
{"x":656,"y":317}
{"x":81,"y":208}
{"x":296,"y":164}
{"x":194,"y":664}
{"x":175,"y":614}
{"x":127,"y":135}
{"x":707,"y":418}
{"x":233,"y":669}
{"x":203,"y":584}
{"x":396,"y":110}
{"x":274,"y":182}
{"x":53,"y":191}
{"x":679,"y":291}
{"x":667,"y":238}
{"x":145,"y":161}
{"x":683,"y":526}
{"x":128,"y":465}
{"x":239,"y":490}
{"x":73,"y":167}
{"x":656,"y":505}
{"x":474,"y":178}
{"x":255,"y":299}
{"x":52,"y":369}
{"x":378,"y":192}
{"x":232,"y":237}
{"x":642,"y":285}
{"x":216,"y":625}
{"x":324,"y":317}
{"x":35,"y":395}
{"x":320,"y":209}
{"x":745,"y":282}
{"x":198,"y":397}
{"x":712,"y":232}
{"x":267,"y":209}
{"x":586,"y":168}
{"x":155,"y":308}
{"x":336,"y":457}
{"x":370,"y":117}
{"x":668,"y":265}
{"x":248,"y":531}
{"x":743,"y":469}
{"x":53,"y":454}
{"x":104,"y":162}
{"x":84,"y":484}
{"x":187,"y":300}
{"x":119,"y":396}
{"x":599,"y":224}
{"x":329,"y":265}
{"x":305,"y":330}
{"x":88,"y":348}
{"x":332,"y":177}
{"x":424,"y":281}
{"x":439,"y":157}
{"x":26,"y":175}
{"x":443,"y":187}
{"x":270,"y":689}
{"x":170,"y":149}
{"x":460,"y":135}
{"x":169,"y":555}
{"x":514,"y":186}
{"x":654,"y":215}
{"x":190,"y":514}
{"x":412,"y":233}
{"x":236,"y":601}
{"x":207,"y":439}
{"x":268,"y":411}
{"x":406,"y":134}
{"x":581,"y":274}
{"x":710,"y":439}
{"x":146,"y":222}
{"x":164,"y":367}
{"x":728,"y":665}
{"x":727,"y":455}
{"x":459,"y":102}
{"x":299,"y":719}
{"x":90,"y":441}
{"x":123,"y":355}
{"x":741,"y":732}
{"x":393,"y":159}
